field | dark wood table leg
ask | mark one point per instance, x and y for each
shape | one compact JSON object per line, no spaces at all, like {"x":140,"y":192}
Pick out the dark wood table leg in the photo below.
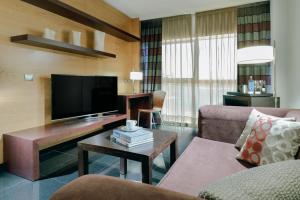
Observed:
{"x":173,"y":152}
{"x":147,"y":170}
{"x":123,"y":166}
{"x":83,"y":162}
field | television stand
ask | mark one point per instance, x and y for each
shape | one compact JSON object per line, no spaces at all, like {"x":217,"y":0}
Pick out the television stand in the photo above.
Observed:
{"x":22,"y":147}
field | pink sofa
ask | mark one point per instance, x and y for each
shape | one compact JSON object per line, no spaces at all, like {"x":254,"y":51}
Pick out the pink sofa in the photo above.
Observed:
{"x":211,"y":156}
{"x":208,"y":158}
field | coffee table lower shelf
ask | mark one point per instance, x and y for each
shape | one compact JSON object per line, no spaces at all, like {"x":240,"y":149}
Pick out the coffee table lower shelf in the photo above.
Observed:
{"x":144,"y":153}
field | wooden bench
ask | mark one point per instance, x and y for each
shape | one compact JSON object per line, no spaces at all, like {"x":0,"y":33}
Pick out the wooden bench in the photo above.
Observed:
{"x":21,"y":148}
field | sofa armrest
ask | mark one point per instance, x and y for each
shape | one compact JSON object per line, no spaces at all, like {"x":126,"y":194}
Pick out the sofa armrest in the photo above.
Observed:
{"x":95,"y":187}
{"x":226,"y":123}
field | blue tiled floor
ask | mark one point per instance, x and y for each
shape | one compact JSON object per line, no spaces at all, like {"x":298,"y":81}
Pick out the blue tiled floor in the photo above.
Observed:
{"x":64,"y":162}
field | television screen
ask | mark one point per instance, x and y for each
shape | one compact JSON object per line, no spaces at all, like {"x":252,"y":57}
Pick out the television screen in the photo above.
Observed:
{"x":83,"y":95}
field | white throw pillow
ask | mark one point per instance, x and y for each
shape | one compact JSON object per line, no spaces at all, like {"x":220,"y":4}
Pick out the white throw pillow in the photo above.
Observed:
{"x":253,"y":117}
{"x":282,"y":143}
{"x":271,"y":140}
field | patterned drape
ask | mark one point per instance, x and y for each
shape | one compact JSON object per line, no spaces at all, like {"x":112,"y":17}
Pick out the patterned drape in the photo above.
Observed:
{"x":151,"y":44}
{"x":254,"y":29}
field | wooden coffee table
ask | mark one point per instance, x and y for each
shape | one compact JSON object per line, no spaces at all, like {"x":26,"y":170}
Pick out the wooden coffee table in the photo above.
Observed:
{"x":144,"y":153}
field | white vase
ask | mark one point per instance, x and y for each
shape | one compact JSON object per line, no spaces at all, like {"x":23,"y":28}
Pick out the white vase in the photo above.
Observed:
{"x":99,"y":39}
{"x":49,"y":34}
{"x":75,"y":38}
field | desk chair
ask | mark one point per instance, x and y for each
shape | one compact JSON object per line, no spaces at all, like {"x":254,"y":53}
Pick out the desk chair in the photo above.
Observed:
{"x":158,"y":102}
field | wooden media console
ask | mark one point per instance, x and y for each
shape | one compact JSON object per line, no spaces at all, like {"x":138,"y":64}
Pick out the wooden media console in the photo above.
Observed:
{"x":22,"y":147}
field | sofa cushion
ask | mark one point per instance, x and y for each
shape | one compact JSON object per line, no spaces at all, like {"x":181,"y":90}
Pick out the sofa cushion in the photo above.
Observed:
{"x":274,"y":181}
{"x":271,"y":141}
{"x":252,"y":149}
{"x":253,"y":117}
{"x":203,"y":162}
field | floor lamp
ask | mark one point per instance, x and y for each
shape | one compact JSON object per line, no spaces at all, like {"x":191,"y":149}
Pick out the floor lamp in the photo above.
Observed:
{"x":259,"y":55}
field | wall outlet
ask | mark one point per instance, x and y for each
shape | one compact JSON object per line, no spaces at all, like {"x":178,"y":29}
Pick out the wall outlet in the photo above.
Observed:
{"x":28,"y":77}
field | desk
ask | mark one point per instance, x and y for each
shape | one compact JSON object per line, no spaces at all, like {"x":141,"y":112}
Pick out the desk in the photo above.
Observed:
{"x":255,"y":100}
{"x":130,"y":104}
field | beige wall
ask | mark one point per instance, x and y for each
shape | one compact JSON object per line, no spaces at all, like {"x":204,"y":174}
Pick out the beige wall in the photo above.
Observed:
{"x":25,"y":104}
{"x":285,"y":31}
{"x":294,"y":66}
{"x":279,"y":26}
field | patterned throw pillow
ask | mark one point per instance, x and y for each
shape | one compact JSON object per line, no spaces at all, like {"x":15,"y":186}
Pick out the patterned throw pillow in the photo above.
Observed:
{"x":282,"y":143}
{"x":271,"y":141}
{"x":251,"y":150}
{"x":253,"y":117}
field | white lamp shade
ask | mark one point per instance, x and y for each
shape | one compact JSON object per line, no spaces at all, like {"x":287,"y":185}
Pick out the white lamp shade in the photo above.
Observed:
{"x":136,"y":76}
{"x":255,"y":55}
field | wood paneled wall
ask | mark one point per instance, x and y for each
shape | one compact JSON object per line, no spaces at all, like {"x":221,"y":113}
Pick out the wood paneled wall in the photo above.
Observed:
{"x":25,"y":104}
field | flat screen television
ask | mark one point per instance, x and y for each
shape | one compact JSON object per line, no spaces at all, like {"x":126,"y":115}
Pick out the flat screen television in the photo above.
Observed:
{"x":74,"y":96}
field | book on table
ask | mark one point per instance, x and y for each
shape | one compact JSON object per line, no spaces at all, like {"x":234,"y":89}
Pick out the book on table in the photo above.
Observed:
{"x":135,"y":136}
{"x":131,"y":144}
{"x":132,"y":138}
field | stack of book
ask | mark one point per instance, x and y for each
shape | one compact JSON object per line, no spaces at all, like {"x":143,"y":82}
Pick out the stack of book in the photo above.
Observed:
{"x":132,"y":138}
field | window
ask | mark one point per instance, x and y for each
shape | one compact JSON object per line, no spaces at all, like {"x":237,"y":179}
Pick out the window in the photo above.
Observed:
{"x":196,"y":71}
{"x":175,"y":65}
{"x":216,"y":57}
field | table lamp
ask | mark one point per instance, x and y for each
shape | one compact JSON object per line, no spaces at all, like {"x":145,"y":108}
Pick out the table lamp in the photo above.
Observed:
{"x":258,"y":55}
{"x":135,"y":76}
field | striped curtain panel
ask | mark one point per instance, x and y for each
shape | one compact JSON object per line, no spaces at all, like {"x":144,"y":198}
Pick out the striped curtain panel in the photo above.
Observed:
{"x":254,"y":29}
{"x":151,"y":44}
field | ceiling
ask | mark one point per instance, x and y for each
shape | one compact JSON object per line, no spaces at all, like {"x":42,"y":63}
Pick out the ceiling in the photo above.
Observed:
{"x":151,"y":9}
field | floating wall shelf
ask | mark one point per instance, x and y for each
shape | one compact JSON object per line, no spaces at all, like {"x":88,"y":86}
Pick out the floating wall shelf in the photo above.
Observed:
{"x":67,"y":11}
{"x":60,"y":46}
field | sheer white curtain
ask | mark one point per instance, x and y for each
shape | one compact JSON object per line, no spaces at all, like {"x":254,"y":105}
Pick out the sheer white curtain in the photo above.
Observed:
{"x":177,"y":68}
{"x":198,"y":64}
{"x":216,"y":35}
